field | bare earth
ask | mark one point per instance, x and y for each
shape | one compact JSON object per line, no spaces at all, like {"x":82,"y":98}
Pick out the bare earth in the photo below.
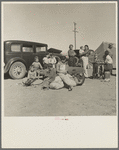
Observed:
{"x":91,"y":99}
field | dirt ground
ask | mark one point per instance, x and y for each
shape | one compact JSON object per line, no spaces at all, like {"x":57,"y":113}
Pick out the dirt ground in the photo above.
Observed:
{"x":91,"y":99}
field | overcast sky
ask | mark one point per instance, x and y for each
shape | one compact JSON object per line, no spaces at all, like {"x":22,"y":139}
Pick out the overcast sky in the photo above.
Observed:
{"x":53,"y":23}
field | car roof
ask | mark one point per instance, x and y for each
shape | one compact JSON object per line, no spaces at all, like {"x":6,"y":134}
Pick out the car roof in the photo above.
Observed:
{"x":25,"y":42}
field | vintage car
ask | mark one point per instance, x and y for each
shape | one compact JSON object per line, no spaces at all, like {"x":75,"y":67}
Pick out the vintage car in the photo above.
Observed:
{"x":19,"y":55}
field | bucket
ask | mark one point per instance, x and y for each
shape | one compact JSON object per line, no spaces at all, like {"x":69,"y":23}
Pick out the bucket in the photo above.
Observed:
{"x":107,"y":75}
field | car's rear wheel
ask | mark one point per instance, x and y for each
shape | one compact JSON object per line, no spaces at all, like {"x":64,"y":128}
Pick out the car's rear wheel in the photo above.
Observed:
{"x":17,"y":70}
{"x":81,"y":78}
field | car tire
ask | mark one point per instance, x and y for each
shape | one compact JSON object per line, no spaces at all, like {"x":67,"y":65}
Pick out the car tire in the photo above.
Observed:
{"x":17,"y":70}
{"x":81,"y":78}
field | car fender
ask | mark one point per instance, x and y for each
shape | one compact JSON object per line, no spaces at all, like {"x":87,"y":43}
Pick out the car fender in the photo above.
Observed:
{"x":11,"y":61}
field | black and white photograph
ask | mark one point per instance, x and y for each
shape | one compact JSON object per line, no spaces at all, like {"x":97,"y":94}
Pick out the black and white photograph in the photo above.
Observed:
{"x":60,"y":61}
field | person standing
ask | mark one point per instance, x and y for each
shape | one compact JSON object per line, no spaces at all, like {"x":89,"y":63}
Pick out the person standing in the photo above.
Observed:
{"x":109,"y":49}
{"x":108,"y":65}
{"x":84,"y":56}
{"x":71,"y":54}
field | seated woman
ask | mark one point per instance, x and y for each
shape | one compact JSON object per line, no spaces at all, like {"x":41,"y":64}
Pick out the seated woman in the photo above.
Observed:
{"x":62,"y":68}
{"x":50,"y":78}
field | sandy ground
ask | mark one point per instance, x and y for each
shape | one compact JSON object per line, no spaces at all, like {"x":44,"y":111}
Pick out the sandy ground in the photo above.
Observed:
{"x":91,"y":99}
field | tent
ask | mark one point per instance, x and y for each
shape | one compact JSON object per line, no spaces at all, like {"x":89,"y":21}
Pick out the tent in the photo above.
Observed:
{"x":102,"y":48}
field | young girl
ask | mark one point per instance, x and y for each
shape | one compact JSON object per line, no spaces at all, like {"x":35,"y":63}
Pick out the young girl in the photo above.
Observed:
{"x":37,"y":66}
{"x":108,"y":65}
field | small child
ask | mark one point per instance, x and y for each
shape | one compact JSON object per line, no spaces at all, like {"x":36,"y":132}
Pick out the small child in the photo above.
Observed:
{"x":31,"y":76}
{"x":37,"y":66}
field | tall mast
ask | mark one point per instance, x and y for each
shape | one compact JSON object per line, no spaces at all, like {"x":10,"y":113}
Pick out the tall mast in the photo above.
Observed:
{"x":75,"y":34}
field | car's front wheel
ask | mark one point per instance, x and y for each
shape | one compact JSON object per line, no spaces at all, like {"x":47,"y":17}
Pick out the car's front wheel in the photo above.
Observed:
{"x":17,"y":70}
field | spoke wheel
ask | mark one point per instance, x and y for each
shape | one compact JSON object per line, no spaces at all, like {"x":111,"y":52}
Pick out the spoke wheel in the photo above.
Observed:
{"x":17,"y":70}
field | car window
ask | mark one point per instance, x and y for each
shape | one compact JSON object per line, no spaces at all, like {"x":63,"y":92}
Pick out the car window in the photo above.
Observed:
{"x":15,"y":47}
{"x":27,"y":49}
{"x":40,"y":49}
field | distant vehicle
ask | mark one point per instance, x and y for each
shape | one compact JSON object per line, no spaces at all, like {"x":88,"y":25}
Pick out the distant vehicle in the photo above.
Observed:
{"x":19,"y":55}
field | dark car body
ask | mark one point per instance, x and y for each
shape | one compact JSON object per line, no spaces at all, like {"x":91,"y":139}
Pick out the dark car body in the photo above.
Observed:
{"x":24,"y":52}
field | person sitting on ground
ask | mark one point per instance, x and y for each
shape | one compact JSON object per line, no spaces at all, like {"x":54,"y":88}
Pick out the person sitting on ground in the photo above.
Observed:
{"x":108,"y":65}
{"x":46,"y":61}
{"x":52,"y":60}
{"x":31,"y":76}
{"x":71,"y":54}
{"x":62,"y":69}
{"x":37,"y":66}
{"x":50,"y":77}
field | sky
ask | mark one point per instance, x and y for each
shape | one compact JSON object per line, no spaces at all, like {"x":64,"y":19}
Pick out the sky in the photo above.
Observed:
{"x":53,"y":23}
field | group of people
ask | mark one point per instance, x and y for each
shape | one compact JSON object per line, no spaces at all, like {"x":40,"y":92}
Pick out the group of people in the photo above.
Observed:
{"x":83,"y":54}
{"x":57,"y":72}
{"x":103,"y":70}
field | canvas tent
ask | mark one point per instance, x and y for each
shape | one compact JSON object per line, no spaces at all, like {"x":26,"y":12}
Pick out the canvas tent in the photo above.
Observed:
{"x":102,"y":48}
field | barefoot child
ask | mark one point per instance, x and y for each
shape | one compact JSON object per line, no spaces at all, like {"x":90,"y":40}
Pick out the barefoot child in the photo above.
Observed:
{"x":37,"y":66}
